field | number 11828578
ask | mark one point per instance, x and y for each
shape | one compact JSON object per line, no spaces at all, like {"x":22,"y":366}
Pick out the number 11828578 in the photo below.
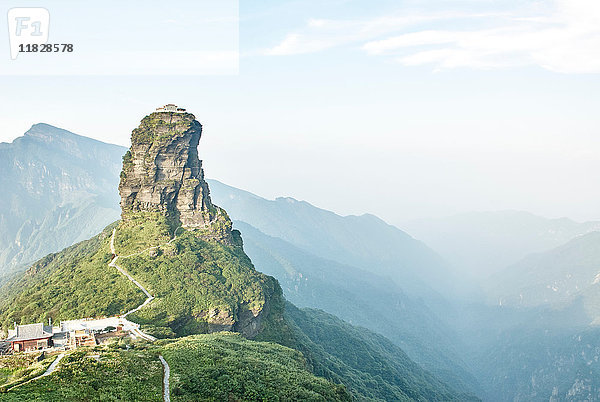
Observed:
{"x":46,"y":48}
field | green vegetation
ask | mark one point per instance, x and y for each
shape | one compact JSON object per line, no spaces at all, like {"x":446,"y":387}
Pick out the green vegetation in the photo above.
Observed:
{"x":371,"y":367}
{"x":223,"y":367}
{"x":127,"y":164}
{"x":22,"y":367}
{"x":215,"y":367}
{"x":101,"y":373}
{"x":154,"y":123}
{"x":142,"y":230}
{"x":200,"y":285}
{"x":74,"y":283}
{"x":197,"y":283}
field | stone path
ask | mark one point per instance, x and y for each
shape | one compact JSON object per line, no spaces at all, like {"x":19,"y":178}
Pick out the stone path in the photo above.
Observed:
{"x":122,"y":320}
{"x":136,"y":330}
{"x":167,"y":374}
{"x":54,"y":364}
{"x":48,"y":371}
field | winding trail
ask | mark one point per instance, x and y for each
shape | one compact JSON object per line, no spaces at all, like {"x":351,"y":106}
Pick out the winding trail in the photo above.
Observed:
{"x":48,"y":371}
{"x":136,"y":327}
{"x":167,"y":374}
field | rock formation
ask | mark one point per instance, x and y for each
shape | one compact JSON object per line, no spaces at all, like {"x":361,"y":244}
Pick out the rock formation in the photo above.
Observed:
{"x":162,"y":173}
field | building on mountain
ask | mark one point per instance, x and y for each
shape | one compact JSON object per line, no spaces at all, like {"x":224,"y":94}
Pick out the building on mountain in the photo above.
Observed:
{"x":67,"y":335}
{"x":82,"y":337}
{"x":172,"y":108}
{"x":30,"y":337}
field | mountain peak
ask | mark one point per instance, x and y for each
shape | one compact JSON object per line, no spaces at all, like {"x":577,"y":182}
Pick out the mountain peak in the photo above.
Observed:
{"x":47,"y":132}
{"x":38,"y":126}
{"x":162,"y":173}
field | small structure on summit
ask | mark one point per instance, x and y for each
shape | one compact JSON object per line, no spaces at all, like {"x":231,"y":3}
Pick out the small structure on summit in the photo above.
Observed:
{"x":170,"y":108}
{"x":162,"y":173}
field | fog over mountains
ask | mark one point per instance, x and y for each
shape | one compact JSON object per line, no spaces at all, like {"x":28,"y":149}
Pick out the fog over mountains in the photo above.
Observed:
{"x":57,"y":188}
{"x":338,"y":271}
{"x":482,"y":243}
{"x":501,"y":305}
{"x":172,"y":239}
{"x":566,"y":274}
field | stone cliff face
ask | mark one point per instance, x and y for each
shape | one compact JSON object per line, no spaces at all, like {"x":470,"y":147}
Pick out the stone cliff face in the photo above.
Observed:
{"x":162,"y":172}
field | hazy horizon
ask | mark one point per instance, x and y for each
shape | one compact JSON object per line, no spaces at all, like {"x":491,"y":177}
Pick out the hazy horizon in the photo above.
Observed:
{"x":399,"y":222}
{"x":390,"y":200}
{"x":410,"y":110}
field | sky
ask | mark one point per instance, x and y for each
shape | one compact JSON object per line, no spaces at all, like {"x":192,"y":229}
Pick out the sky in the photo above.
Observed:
{"x":403,"y":109}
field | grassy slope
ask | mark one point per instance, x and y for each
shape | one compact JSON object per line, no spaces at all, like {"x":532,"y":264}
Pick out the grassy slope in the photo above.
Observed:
{"x":20,"y":368}
{"x":362,"y":299}
{"x":188,"y":277}
{"x":371,"y":367}
{"x":226,"y":366}
{"x":212,"y":367}
{"x":70,"y":284}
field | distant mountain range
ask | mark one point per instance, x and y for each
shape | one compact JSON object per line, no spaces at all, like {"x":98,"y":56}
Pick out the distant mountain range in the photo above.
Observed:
{"x":362,"y":294}
{"x":182,"y":271}
{"x":482,"y":243}
{"x":365,"y":241}
{"x":57,"y":188}
{"x":537,"y":345}
{"x":566,"y":274}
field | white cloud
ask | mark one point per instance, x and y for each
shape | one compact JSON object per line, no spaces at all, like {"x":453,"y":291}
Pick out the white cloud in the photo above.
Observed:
{"x":322,"y":34}
{"x":563,"y":38}
{"x":296,"y":44}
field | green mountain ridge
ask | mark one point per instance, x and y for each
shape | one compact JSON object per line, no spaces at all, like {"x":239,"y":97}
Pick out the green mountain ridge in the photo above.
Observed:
{"x":182,"y":248}
{"x":389,"y":375}
{"x":365,"y":241}
{"x":364,"y":299}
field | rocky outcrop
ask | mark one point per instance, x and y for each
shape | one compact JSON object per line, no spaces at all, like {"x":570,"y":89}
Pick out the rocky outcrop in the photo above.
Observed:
{"x":250,"y":321}
{"x":162,"y":172}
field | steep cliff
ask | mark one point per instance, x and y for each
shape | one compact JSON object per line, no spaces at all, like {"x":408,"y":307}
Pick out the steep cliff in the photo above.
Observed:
{"x":162,"y":173}
{"x":181,"y":248}
{"x":171,"y":239}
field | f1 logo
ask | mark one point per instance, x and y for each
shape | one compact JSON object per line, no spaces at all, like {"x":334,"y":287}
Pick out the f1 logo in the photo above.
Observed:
{"x":27,"y":26}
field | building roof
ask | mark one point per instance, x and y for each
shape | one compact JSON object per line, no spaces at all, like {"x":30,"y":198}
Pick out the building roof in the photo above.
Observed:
{"x":170,"y":107}
{"x":30,"y":332}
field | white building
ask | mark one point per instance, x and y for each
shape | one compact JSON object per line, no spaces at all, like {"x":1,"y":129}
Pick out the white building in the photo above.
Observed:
{"x":170,"y":108}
